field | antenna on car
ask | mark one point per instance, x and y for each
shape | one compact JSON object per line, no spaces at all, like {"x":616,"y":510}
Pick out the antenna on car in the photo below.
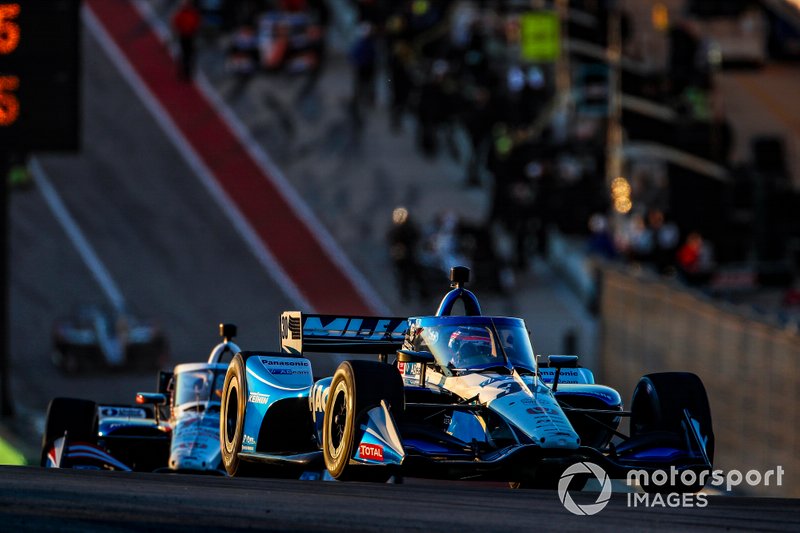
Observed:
{"x":459,"y":276}
{"x":227,"y":332}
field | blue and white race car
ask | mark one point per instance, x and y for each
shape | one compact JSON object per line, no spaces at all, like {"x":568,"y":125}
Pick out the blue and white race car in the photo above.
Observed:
{"x":464,"y":397}
{"x":185,"y":438}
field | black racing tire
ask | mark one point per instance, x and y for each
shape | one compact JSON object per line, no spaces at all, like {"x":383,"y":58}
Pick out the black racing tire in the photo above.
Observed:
{"x":659,"y":400}
{"x":77,"y":418}
{"x":356,"y":387}
{"x":231,"y":419}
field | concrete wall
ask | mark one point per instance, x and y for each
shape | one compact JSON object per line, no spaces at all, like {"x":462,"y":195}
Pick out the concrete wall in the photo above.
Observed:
{"x":751,"y":369}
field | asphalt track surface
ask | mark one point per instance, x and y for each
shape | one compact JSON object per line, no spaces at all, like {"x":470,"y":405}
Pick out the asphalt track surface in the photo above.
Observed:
{"x":176,"y":257}
{"x":70,"y":500}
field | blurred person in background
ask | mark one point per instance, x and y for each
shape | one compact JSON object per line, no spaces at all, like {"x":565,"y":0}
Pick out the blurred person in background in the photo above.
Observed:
{"x":242,"y":57}
{"x":364,"y":58}
{"x":400,"y":62}
{"x":601,"y":241}
{"x":695,"y":259}
{"x":186,"y":24}
{"x":666,"y":237}
{"x":404,"y":241}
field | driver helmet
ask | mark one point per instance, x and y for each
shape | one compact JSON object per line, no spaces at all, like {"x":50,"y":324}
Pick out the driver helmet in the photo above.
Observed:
{"x":199,"y":386}
{"x":469,"y":346}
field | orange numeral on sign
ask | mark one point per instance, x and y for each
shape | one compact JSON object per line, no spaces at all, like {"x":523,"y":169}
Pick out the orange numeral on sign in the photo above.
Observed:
{"x":9,"y":105}
{"x":9,"y":31}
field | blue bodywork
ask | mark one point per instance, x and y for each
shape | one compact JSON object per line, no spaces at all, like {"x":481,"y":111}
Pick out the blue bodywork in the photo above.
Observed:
{"x":491,"y":419}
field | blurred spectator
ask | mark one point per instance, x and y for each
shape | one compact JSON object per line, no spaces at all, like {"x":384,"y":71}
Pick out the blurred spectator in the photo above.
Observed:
{"x":478,"y":119}
{"x":666,"y":238}
{"x":363,"y":56}
{"x":601,"y":243}
{"x":684,"y":48}
{"x":311,"y":50}
{"x":321,"y":11}
{"x":400,"y":81}
{"x":371,"y":12}
{"x":722,"y":138}
{"x":293,"y":6}
{"x":186,"y":24}
{"x":695,"y":259}
{"x":242,"y":57}
{"x":404,"y":240}
{"x":432,"y":109}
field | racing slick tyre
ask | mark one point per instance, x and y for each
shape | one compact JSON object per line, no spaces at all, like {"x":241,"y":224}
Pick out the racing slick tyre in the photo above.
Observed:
{"x":658,"y":404}
{"x":231,"y":419}
{"x":77,"y":418}
{"x":357,"y":386}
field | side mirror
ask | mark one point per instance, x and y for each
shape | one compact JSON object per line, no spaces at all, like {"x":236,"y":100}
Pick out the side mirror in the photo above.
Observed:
{"x":155,"y":399}
{"x":151,"y":398}
{"x":561,"y":361}
{"x":409,"y":356}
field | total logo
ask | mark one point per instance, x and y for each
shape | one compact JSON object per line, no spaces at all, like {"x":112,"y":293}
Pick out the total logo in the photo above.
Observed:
{"x":373,"y":452}
{"x":581,"y":469}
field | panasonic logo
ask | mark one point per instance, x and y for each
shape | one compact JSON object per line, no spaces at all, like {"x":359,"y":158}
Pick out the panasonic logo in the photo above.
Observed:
{"x":271,"y":362}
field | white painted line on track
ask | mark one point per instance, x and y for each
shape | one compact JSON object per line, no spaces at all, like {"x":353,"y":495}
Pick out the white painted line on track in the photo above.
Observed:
{"x":206,"y":177}
{"x":272,"y":172}
{"x":76,"y":236}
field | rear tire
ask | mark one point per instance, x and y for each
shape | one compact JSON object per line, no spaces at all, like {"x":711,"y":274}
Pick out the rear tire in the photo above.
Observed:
{"x":357,"y":386}
{"x":659,"y":400}
{"x":231,"y":418}
{"x":77,"y":418}
{"x":657,"y":407}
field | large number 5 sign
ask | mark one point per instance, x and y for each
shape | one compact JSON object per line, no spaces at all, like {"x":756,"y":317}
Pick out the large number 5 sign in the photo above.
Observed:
{"x":39,"y":75}
{"x":9,"y":30}
{"x":9,"y":40}
{"x":9,"y":105}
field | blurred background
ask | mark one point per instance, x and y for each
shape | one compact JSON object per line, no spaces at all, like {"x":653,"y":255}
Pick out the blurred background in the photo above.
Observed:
{"x":622,"y":174}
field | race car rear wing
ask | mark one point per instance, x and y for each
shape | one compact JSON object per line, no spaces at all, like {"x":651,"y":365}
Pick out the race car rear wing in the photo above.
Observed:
{"x":302,"y":333}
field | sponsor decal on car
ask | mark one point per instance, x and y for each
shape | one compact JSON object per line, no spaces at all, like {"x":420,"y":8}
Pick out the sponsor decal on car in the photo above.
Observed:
{"x":259,"y":398}
{"x":539,"y":410}
{"x":279,"y":362}
{"x":370,"y":451}
{"x":128,"y":412}
{"x":286,"y":371}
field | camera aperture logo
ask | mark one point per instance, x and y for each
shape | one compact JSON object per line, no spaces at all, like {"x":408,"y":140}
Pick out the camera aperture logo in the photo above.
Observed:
{"x":662,"y":488}
{"x":602,"y":498}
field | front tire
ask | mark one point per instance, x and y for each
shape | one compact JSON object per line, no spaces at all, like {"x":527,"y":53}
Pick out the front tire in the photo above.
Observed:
{"x":77,"y":418}
{"x":231,"y":418}
{"x":357,"y":386}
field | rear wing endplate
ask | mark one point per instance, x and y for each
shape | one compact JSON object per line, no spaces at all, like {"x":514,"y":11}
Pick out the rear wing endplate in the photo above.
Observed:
{"x":301,"y":333}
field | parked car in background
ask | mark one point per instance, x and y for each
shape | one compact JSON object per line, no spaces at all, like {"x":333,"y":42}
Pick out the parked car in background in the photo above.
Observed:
{"x":94,"y":339}
{"x":737,"y":30}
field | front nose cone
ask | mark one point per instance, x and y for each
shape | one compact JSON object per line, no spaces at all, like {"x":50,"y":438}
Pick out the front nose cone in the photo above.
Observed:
{"x":184,"y":462}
